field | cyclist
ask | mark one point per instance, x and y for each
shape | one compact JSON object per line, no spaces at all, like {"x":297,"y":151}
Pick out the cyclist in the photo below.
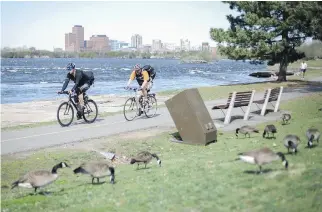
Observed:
{"x":144,"y":76}
{"x":83,"y":81}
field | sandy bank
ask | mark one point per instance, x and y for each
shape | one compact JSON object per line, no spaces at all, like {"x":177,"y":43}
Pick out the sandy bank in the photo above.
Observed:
{"x":46,"y":110}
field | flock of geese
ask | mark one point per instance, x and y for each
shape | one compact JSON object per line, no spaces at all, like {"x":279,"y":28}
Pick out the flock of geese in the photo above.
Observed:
{"x":101,"y":169}
{"x":265,"y":155}
{"x":96,"y":169}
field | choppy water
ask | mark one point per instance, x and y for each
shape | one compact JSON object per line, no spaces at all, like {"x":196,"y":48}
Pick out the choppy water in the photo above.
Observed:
{"x":25,"y":80}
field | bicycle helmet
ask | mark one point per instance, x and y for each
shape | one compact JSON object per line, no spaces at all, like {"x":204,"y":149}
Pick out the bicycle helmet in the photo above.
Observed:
{"x":137,"y":67}
{"x":70,"y":66}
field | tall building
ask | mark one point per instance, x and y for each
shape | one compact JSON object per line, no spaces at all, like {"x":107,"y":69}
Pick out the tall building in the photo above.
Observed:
{"x":114,"y":45}
{"x":98,"y":43}
{"x":136,"y":41}
{"x":70,"y":42}
{"x":78,"y":30}
{"x":156,"y":45}
{"x":185,"y":45}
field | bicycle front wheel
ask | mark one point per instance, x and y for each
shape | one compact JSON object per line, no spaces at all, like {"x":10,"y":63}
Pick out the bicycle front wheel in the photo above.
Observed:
{"x":90,"y":111}
{"x":130,"y":109}
{"x":151,"y":107}
{"x":65,"y":114}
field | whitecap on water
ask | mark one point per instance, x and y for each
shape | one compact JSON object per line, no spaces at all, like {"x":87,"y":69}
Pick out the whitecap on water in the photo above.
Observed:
{"x":125,"y":69}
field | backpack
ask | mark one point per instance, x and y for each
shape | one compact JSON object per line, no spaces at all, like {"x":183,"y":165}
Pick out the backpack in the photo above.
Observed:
{"x":149,"y":69}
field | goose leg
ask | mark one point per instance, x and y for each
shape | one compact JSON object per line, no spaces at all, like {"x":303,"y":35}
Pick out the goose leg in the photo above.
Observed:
{"x":137,"y":166}
{"x":145,"y":165}
{"x":98,"y":180}
{"x":260,"y":170}
{"x":93,"y":180}
{"x":35,"y":189}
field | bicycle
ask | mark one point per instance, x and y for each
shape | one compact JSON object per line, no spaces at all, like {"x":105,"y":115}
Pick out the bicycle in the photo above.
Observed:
{"x":68,"y":108}
{"x":133,"y":105}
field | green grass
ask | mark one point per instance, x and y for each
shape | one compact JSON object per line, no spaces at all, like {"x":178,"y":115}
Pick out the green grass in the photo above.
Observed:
{"x":310,"y":63}
{"x":192,"y":178}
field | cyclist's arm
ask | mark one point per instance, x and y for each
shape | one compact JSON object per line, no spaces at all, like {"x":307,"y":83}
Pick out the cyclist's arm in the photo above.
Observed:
{"x":132,"y":76}
{"x":66,"y":81}
{"x":145,"y":78}
{"x":78,"y":77}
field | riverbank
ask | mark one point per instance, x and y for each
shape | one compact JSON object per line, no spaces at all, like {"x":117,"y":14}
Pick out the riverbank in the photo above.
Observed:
{"x":38,"y":113}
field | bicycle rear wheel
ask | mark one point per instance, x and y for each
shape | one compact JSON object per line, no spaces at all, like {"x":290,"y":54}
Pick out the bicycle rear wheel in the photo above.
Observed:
{"x":65,"y":114}
{"x":130,"y":109}
{"x":90,"y":111}
{"x":151,"y":107}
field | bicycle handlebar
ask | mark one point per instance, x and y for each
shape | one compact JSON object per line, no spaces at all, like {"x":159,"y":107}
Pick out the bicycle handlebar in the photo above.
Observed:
{"x":134,"y":89}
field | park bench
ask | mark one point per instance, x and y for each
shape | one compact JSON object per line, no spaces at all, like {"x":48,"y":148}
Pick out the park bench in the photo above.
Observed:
{"x":270,"y":96}
{"x":236,"y":99}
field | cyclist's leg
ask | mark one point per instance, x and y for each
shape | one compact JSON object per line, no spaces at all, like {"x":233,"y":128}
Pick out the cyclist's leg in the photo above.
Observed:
{"x":82,"y":90}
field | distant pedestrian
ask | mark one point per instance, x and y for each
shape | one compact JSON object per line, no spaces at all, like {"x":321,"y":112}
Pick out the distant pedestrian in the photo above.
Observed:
{"x":303,"y":68}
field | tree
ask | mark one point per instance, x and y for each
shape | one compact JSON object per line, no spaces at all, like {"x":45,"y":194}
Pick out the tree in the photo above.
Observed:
{"x":266,"y":30}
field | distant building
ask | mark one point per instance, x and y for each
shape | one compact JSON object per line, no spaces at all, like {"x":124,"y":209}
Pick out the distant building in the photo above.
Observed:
{"x":169,"y":47}
{"x":213,"y":51}
{"x":184,"y":45}
{"x":70,"y":42}
{"x":78,"y":30}
{"x":98,"y":43}
{"x":146,"y":48}
{"x":156,"y":45}
{"x":205,"y":46}
{"x":124,"y":45}
{"x":136,"y":41}
{"x":114,"y":45}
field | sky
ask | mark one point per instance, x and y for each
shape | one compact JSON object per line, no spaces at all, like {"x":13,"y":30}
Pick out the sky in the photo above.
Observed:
{"x":43,"y":24}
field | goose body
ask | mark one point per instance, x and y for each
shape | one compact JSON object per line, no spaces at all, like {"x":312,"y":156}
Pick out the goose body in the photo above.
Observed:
{"x":312,"y":134}
{"x":144,"y":157}
{"x":246,"y":130}
{"x":262,"y":156}
{"x":286,"y":118}
{"x":269,"y":129}
{"x":39,"y":178}
{"x":97,"y":169}
{"x":291,"y":142}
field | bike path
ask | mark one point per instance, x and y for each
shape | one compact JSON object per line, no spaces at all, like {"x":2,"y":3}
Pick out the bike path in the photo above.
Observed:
{"x":52,"y":135}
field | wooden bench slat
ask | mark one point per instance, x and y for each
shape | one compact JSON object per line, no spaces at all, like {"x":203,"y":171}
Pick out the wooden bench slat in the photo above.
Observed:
{"x":241,"y":99}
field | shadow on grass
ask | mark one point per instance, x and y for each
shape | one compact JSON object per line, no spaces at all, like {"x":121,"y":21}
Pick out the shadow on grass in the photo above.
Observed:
{"x":233,"y":118}
{"x":256,"y":172}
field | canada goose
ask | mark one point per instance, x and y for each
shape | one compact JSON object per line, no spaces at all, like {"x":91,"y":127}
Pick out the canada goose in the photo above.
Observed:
{"x":262,"y":156}
{"x":97,"y":169}
{"x":312,"y":134}
{"x":39,"y":178}
{"x":246,"y":130}
{"x":286,"y":118}
{"x":291,"y":141}
{"x":144,"y":157}
{"x":269,"y":129}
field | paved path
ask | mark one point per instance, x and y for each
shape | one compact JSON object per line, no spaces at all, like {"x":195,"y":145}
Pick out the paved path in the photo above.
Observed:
{"x":45,"y":136}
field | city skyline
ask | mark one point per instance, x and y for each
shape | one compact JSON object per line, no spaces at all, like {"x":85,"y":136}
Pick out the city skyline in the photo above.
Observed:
{"x":43,"y":23}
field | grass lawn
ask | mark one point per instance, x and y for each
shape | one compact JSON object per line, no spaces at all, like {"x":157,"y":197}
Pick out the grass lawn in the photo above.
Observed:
{"x":192,"y":178}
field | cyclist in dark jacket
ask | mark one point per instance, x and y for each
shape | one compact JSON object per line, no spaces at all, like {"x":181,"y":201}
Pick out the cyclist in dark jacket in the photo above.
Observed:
{"x":83,"y":81}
